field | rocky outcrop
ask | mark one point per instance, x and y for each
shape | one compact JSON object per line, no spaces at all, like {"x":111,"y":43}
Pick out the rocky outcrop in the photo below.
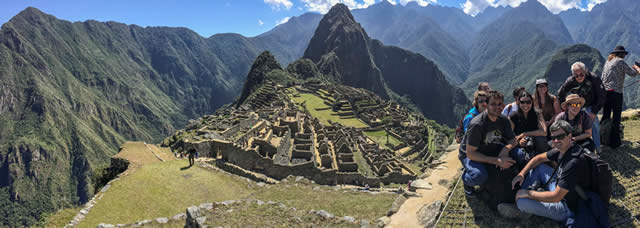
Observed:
{"x":341,"y":49}
{"x":263,"y":64}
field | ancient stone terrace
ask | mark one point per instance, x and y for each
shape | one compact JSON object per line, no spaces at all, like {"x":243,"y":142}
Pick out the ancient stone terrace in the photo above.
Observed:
{"x":273,"y":135}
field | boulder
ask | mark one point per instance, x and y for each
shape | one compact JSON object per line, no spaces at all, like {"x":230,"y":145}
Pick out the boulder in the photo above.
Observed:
{"x":420,"y":184}
{"x":396,"y":205}
{"x":383,"y":221}
{"x":428,"y":214}
{"x":162,"y":220}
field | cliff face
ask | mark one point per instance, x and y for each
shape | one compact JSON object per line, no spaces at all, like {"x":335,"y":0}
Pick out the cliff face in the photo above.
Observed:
{"x":341,"y":50}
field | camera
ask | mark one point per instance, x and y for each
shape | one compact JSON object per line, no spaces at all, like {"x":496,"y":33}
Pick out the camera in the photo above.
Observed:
{"x":536,"y":186}
{"x":529,"y":146}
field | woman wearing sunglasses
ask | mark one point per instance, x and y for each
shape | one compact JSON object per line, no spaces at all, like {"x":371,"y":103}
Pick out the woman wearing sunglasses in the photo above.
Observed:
{"x":579,"y":120}
{"x":529,"y":126}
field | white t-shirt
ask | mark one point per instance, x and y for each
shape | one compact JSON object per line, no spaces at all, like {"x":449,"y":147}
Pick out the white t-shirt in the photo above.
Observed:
{"x":513,"y":107}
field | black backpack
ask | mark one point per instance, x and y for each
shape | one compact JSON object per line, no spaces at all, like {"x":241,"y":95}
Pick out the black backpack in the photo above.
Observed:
{"x":600,"y":174}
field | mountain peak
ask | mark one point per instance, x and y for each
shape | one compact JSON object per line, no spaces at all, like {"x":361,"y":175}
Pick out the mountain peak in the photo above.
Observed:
{"x":532,"y":5}
{"x":339,"y":11}
{"x":30,"y":14}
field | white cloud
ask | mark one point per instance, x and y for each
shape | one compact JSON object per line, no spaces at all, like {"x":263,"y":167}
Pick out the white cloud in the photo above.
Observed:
{"x":323,"y":6}
{"x":393,"y":2}
{"x":276,"y":4}
{"x":556,"y":6}
{"x":420,"y":2}
{"x":284,"y":20}
{"x":593,"y":3}
{"x":473,"y":7}
{"x":260,"y":22}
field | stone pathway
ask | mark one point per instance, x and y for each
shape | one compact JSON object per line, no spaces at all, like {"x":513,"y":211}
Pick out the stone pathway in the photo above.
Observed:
{"x":407,"y":216}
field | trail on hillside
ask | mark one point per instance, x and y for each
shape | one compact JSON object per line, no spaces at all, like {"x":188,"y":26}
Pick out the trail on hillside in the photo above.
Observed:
{"x":407,"y":216}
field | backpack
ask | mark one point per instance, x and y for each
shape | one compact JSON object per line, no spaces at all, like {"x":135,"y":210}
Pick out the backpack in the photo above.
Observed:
{"x":601,"y":177}
{"x":605,"y":131}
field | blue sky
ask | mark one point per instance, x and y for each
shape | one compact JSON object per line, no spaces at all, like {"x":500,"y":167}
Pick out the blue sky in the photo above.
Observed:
{"x":208,"y":17}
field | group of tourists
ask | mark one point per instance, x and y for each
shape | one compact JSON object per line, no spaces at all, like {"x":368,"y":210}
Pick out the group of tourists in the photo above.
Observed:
{"x":537,"y":150}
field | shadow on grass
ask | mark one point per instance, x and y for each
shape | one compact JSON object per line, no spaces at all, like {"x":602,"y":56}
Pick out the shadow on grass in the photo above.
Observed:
{"x":185,"y":168}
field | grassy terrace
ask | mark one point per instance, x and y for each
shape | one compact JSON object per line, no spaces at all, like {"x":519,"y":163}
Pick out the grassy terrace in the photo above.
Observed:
{"x":162,"y":189}
{"x":625,"y":202}
{"x":381,"y":138}
{"x":313,"y":103}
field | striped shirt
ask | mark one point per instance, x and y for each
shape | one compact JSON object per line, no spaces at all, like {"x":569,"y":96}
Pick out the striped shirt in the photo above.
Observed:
{"x":613,"y":74}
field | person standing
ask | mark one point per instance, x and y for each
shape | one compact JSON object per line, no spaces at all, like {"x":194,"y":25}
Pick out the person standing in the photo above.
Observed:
{"x":613,"y":79}
{"x":588,"y":86}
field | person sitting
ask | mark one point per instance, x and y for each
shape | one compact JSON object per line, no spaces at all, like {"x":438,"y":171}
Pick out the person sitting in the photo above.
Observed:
{"x":484,"y":86}
{"x":513,"y":107}
{"x":529,"y":127}
{"x":545,"y":103}
{"x":579,"y":120}
{"x":488,"y":142}
{"x":479,"y":105}
{"x":547,"y":192}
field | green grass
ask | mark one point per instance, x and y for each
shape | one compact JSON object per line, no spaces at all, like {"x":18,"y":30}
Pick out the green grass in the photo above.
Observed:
{"x":250,"y":214}
{"x":381,"y":138}
{"x":162,"y":190}
{"x":314,"y":102}
{"x":356,"y":204}
{"x":61,"y":217}
{"x":363,"y":166}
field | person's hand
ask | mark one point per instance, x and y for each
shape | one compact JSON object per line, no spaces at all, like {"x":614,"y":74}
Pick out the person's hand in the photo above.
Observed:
{"x":505,"y":162}
{"x":523,"y":142}
{"x":522,"y":193}
{"x":592,"y":116}
{"x":636,"y":68}
{"x":516,"y":180}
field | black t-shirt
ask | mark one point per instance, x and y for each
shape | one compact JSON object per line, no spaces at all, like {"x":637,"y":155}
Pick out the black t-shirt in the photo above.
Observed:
{"x":489,"y":137}
{"x":522,"y":124}
{"x":572,"y":171}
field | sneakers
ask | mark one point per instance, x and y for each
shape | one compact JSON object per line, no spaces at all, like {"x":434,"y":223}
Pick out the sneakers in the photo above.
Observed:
{"x":510,"y":210}
{"x":469,"y":191}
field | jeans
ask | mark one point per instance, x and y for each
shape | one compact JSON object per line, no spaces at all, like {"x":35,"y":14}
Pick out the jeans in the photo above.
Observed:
{"x":475,"y":173}
{"x":557,"y":211}
{"x":595,"y":129}
{"x":613,"y":102}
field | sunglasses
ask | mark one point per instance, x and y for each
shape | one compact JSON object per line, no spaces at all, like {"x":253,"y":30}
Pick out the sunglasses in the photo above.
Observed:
{"x":575,"y":105}
{"x":559,"y":137}
{"x":480,"y":101}
{"x":525,"y":102}
{"x":579,"y":75}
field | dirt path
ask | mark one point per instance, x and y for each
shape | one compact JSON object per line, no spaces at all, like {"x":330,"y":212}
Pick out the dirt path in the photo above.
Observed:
{"x":407,"y":215}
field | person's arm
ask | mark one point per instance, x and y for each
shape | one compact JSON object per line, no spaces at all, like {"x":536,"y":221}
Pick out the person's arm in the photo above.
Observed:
{"x":628,"y":70}
{"x":513,"y":126}
{"x":586,"y":134}
{"x":535,"y":161}
{"x":549,"y":197}
{"x":474,"y":155}
{"x":561,"y":92}
{"x":556,"y":107}
{"x":465,"y":122}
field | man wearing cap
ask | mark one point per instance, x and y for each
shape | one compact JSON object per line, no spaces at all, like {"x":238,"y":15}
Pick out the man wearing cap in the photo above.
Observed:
{"x":613,"y":79}
{"x":588,"y":86}
{"x":579,"y":120}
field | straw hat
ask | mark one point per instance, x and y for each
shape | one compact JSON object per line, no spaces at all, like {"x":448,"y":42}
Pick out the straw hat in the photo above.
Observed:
{"x":572,"y":98}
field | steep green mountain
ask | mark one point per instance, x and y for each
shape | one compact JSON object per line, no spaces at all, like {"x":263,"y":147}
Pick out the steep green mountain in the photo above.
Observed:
{"x":560,"y":66}
{"x":610,"y":24}
{"x":342,"y":50}
{"x":516,"y":48}
{"x":288,"y":41}
{"x":263,"y":64}
{"x":412,"y":27}
{"x":71,"y":93}
{"x":573,"y":19}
